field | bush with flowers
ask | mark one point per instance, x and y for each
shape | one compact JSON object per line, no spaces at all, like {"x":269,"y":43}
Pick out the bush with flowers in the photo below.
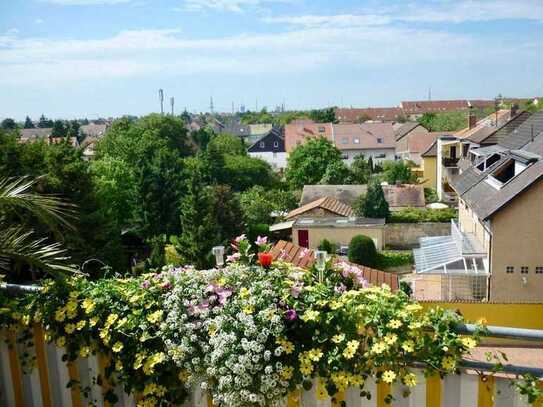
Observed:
{"x":247,"y":334}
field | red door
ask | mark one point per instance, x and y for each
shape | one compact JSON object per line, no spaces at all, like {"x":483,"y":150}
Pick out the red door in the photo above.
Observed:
{"x":303,"y":238}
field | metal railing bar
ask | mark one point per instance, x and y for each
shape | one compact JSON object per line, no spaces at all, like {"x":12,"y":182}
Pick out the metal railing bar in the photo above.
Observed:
{"x":18,"y":289}
{"x":503,"y":332}
{"x":511,"y":369}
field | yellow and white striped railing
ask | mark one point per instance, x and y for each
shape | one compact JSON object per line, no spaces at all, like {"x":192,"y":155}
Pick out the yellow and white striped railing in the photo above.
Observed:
{"x":46,"y":385}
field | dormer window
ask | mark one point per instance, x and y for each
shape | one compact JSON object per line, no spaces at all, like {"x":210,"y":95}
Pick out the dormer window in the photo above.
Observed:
{"x":262,"y":144}
{"x":505,"y":173}
{"x":379,"y":140}
{"x":276,"y":144}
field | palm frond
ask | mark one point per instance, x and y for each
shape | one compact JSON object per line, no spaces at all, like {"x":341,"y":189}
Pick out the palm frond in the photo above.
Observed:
{"x":50,"y":209}
{"x":20,"y":245}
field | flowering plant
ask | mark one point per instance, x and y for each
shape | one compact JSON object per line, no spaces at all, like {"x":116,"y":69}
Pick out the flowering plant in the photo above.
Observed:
{"x":246,"y":334}
{"x":262,"y":243}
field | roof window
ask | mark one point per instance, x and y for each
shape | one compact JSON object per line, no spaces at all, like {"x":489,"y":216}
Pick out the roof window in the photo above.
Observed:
{"x":505,"y":173}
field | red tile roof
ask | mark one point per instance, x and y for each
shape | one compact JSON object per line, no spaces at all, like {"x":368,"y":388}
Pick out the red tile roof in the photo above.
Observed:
{"x":374,"y":113}
{"x":329,"y":203}
{"x":364,"y":136}
{"x":304,"y":258}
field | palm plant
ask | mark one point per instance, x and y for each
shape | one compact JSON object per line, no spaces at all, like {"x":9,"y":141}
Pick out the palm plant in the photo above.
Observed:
{"x":20,"y":244}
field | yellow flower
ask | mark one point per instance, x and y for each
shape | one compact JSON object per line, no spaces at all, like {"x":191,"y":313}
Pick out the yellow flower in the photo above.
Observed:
{"x":155,"y":317}
{"x":357,"y":381}
{"x":111,"y":319}
{"x":338,"y":338}
{"x":25,"y":320}
{"x":413,"y":307}
{"x":153,"y":388}
{"x":81,"y":324}
{"x":379,"y":347}
{"x":69,"y":328}
{"x":150,"y":363}
{"x":469,"y":343}
{"x":84,"y":351}
{"x":249,"y":309}
{"x":117,"y":347}
{"x":394,"y":324}
{"x":61,"y":341}
{"x":388,"y":376}
{"x":104,"y":335}
{"x":93,"y":321}
{"x":71,"y":313}
{"x":287,"y":346}
{"x":244,"y":293}
{"x":118,"y":365}
{"x":322,"y":394}
{"x":408,"y":346}
{"x":306,"y":369}
{"x":315,"y":354}
{"x":88,"y":305}
{"x":448,"y":363}
{"x":391,"y":339}
{"x":334,"y":305}
{"x":310,"y":315}
{"x":139,"y":360}
{"x":350,"y":350}
{"x":286,"y":373}
{"x":184,"y":375}
{"x":147,"y":402}
{"x":410,"y":380}
{"x":60,"y":314}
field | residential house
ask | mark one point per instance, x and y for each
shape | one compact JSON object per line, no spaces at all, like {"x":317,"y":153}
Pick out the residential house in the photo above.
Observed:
{"x":374,"y":140}
{"x":311,"y":231}
{"x":93,"y":130}
{"x":377,"y":114}
{"x":494,"y":252}
{"x":271,"y":148}
{"x":337,"y":200}
{"x":415,"y":109}
{"x":305,"y":258}
{"x":43,"y":134}
{"x":412,"y":139}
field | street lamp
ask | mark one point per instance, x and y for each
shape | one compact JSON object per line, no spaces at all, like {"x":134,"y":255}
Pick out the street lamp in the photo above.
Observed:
{"x":218,"y":252}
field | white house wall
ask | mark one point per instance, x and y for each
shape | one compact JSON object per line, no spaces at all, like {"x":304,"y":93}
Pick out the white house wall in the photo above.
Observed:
{"x":276,"y":160}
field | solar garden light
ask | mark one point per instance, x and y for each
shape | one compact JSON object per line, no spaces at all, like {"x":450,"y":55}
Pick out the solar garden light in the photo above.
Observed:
{"x":320,"y":263}
{"x":218,"y":252}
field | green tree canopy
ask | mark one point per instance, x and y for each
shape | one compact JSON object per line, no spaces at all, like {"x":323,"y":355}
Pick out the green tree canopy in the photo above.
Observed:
{"x":59,"y":129}
{"x":28,"y":123}
{"x":398,"y":171}
{"x":327,"y":115}
{"x":9,"y":124}
{"x":308,"y":162}
{"x":361,"y":170}
{"x":373,"y":204}
{"x":337,"y":173}
{"x":45,"y":122}
{"x":362,"y":251}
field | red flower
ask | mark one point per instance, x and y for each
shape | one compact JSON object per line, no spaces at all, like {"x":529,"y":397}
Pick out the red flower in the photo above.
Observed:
{"x":265,"y":259}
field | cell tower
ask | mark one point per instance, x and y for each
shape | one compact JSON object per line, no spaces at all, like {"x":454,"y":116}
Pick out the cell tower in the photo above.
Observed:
{"x":161,"y":98}
{"x":211,"y":104}
{"x":172,"y":101}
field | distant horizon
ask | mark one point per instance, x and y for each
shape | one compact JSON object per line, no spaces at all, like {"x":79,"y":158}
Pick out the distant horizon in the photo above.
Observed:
{"x":77,"y":58}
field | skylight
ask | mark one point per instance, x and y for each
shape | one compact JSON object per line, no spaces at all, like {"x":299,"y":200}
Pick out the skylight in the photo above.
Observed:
{"x":505,"y":173}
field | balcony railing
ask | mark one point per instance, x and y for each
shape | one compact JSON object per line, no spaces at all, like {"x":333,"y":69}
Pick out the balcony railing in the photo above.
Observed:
{"x":46,"y":385}
{"x":449,"y":162}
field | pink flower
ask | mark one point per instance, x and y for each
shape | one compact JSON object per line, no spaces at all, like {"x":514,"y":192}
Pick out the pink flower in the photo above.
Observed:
{"x":145,"y":284}
{"x":296,"y":289}
{"x":291,"y":314}
{"x":233,"y":257}
{"x":260,"y":241}
{"x":303,"y":253}
{"x":240,"y":238}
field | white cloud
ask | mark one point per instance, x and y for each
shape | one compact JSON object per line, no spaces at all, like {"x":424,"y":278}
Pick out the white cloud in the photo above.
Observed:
{"x":85,"y":2}
{"x":237,"y":6}
{"x":39,"y":21}
{"x":340,"y":20}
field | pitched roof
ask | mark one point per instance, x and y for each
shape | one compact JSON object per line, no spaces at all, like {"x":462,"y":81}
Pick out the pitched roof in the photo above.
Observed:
{"x":524,"y":133}
{"x":431,"y":150}
{"x":344,"y":193}
{"x":421,"y":142}
{"x":428,"y":106}
{"x":505,"y":129}
{"x":407,"y":195}
{"x":35,"y":133}
{"x":363,"y":136}
{"x":94,"y":130}
{"x":484,"y":199}
{"x":374,"y":113}
{"x":492,"y":121}
{"x":304,"y":258}
{"x":329,"y":203}
{"x":403,"y":129}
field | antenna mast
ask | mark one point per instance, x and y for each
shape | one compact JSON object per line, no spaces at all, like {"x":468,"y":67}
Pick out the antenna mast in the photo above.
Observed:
{"x":211,"y":104}
{"x":161,"y":98}
{"x":172,"y":101}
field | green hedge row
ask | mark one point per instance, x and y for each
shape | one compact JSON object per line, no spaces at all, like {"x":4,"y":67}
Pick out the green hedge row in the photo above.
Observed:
{"x":416,"y":215}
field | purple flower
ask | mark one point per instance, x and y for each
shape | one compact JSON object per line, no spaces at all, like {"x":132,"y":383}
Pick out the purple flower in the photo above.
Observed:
{"x":261,"y":240}
{"x":296,"y":289}
{"x":340,"y":288}
{"x":145,"y":284}
{"x":167,"y":285}
{"x":240,"y":238}
{"x":233,"y":257}
{"x":223,"y":294}
{"x":291,"y":314}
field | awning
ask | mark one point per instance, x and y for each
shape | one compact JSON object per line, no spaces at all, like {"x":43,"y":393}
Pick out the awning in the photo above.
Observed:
{"x":281,"y":226}
{"x":442,"y":255}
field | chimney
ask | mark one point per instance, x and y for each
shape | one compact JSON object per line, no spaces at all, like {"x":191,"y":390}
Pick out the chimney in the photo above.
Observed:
{"x":514,"y":109}
{"x":472,"y":119}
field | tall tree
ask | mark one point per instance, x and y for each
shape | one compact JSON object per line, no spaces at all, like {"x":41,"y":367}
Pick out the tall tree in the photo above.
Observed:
{"x":308,"y":162}
{"x":28,"y":123}
{"x":9,"y":124}
{"x":45,"y":122}
{"x":59,"y":129}
{"x":327,"y":115}
{"x":373,"y":204}
{"x":361,"y":170}
{"x":398,"y":171}
{"x":337,"y":173}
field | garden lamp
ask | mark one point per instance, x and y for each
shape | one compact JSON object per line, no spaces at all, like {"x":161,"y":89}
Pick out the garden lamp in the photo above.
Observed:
{"x":218,"y":252}
{"x":320,"y":263}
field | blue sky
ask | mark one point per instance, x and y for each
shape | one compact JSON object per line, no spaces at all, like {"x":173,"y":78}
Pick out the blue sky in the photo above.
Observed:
{"x":75,"y":58}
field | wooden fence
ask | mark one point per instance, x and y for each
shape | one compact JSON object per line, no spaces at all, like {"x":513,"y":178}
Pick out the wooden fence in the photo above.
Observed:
{"x":46,"y":385}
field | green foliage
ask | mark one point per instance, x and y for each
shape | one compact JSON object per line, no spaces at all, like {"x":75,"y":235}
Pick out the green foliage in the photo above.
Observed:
{"x":406,"y":288}
{"x":361,"y":170}
{"x":337,"y":173}
{"x":258,"y":203}
{"x":397,"y":171}
{"x":416,"y":215}
{"x":59,"y":129}
{"x":9,"y":124}
{"x":28,"y":123}
{"x":242,"y":172}
{"x":226,"y":144}
{"x":362,"y":251}
{"x":394,"y":258}
{"x":45,"y":122}
{"x":256,"y":117}
{"x":373,"y":204}
{"x":327,"y":115}
{"x":445,"y":121}
{"x":308,"y":162}
{"x":328,"y":246}
{"x":430,"y":195}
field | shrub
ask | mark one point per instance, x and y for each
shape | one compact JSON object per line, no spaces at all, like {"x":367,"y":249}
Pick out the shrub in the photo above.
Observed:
{"x":416,"y":215}
{"x":388,"y":259}
{"x":328,"y":246}
{"x":373,"y":204}
{"x":362,"y":251}
{"x":430,"y":195}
